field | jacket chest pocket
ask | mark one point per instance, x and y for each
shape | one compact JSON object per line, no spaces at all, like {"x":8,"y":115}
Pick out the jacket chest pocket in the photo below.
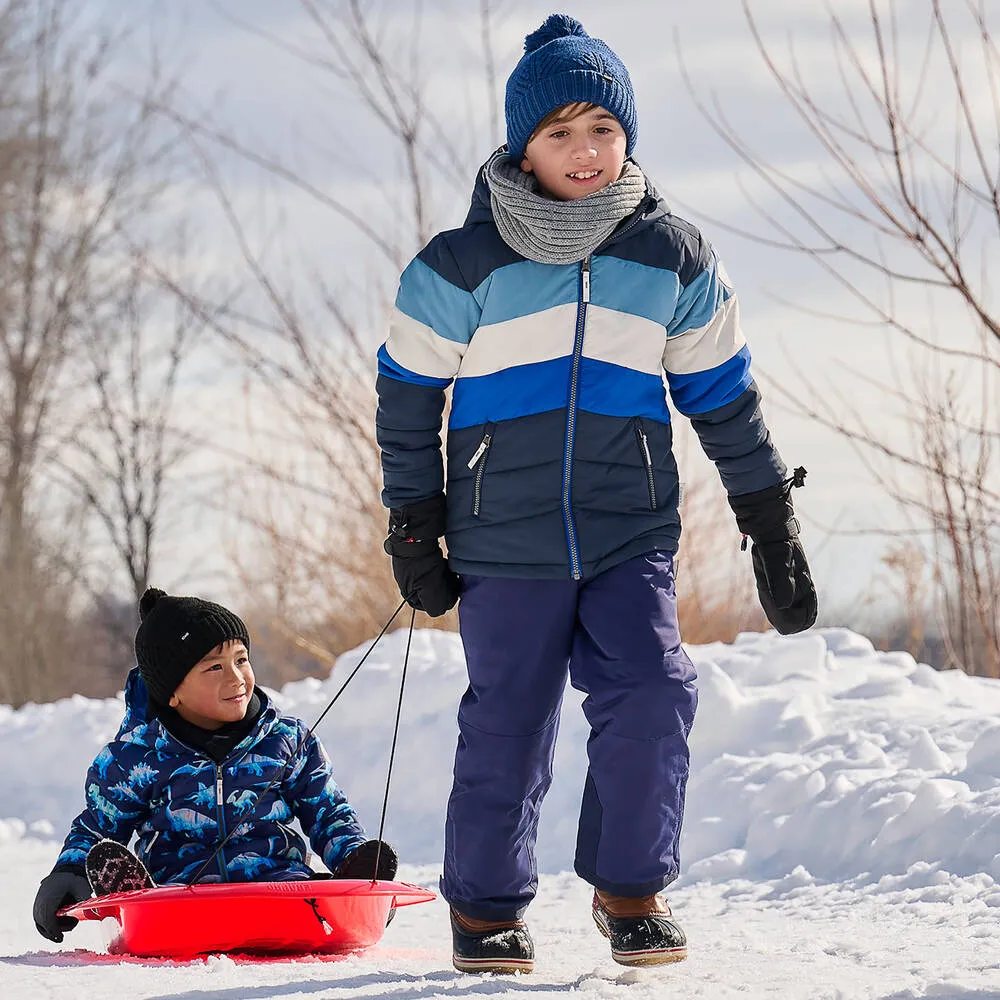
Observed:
{"x":642,"y":442}
{"x":478,"y":462}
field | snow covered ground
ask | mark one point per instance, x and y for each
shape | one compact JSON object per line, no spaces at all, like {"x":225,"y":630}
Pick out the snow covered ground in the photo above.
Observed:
{"x":842,"y":837}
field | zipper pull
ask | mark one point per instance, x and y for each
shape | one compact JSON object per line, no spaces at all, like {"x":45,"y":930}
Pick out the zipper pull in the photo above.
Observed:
{"x":645,"y":448}
{"x":585,"y":273}
{"x":480,"y":451}
{"x":218,"y":785}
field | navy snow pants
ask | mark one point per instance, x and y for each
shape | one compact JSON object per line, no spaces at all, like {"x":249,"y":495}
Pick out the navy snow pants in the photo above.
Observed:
{"x":617,"y":636}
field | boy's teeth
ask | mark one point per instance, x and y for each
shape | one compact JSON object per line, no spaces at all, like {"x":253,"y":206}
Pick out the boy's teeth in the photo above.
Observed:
{"x":584,"y":174}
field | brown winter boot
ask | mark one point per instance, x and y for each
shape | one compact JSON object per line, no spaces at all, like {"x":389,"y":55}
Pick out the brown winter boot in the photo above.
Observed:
{"x":491,"y":945}
{"x":641,"y":930}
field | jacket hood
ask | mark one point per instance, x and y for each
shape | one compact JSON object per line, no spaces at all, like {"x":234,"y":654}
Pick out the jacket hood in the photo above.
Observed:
{"x":651,"y":208}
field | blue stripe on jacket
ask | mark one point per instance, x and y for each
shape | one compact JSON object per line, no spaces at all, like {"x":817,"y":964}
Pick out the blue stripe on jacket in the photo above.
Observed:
{"x":393,"y":369}
{"x":517,"y":392}
{"x":701,"y":392}
{"x":425,"y":296}
{"x":697,"y":303}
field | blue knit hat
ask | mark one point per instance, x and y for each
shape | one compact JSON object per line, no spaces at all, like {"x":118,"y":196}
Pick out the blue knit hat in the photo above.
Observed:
{"x":563,"y":65}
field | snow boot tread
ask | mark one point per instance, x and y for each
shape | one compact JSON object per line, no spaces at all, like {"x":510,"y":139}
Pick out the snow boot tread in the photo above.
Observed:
{"x":112,"y":867}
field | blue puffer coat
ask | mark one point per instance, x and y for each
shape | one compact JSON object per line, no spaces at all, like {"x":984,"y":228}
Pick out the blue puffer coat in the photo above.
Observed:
{"x":182,"y":804}
{"x":559,"y":439}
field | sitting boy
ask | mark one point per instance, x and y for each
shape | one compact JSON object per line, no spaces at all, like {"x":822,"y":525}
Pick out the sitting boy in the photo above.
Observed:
{"x":193,"y":768}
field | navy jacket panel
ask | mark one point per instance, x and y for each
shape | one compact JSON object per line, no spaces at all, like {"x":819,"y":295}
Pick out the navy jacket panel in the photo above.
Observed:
{"x":737,"y":440}
{"x":408,"y":431}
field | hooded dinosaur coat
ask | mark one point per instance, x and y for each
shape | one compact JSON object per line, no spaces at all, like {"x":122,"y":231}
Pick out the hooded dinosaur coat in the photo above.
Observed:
{"x":181,"y":804}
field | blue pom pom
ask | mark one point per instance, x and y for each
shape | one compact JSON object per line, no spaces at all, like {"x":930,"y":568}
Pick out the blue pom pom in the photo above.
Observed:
{"x":555,"y":26}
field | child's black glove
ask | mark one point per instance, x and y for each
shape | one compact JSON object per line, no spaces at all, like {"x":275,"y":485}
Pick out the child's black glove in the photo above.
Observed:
{"x":61,"y":888}
{"x":418,"y":564}
{"x":360,"y":863}
{"x":784,"y":585}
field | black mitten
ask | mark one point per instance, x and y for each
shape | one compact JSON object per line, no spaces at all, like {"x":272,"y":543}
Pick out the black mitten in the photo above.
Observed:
{"x":61,"y":888}
{"x":784,"y":585}
{"x":418,"y":564}
{"x":360,"y":863}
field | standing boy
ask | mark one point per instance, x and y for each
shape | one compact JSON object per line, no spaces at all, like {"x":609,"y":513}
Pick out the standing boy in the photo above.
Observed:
{"x":555,"y":311}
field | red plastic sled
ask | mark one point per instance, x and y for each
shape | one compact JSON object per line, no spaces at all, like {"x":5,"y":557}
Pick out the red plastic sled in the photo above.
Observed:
{"x":285,"y":918}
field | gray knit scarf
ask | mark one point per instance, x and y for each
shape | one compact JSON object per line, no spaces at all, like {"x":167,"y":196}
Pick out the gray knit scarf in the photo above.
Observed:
{"x":551,"y":231}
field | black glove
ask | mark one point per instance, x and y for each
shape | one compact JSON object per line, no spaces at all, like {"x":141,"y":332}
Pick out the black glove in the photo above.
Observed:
{"x":61,"y":888}
{"x":418,"y":564}
{"x":784,"y":585}
{"x":360,"y":863}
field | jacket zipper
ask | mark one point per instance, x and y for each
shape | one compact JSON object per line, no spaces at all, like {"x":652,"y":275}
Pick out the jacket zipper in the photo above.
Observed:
{"x":647,"y":460}
{"x":221,"y":808}
{"x":574,"y":387}
{"x":481,"y":456}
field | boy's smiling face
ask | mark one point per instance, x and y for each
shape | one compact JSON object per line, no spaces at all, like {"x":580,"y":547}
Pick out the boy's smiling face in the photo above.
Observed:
{"x":577,"y":152}
{"x":217,"y":688}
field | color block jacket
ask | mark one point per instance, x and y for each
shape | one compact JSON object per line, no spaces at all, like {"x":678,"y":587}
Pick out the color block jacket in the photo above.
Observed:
{"x":182,"y":804}
{"x":559,"y":460}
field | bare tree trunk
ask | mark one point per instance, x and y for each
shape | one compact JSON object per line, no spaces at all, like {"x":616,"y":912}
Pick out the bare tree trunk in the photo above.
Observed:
{"x":73,"y":156}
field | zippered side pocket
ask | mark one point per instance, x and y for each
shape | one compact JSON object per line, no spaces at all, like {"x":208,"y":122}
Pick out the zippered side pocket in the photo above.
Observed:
{"x":478,"y":462}
{"x":647,"y":461}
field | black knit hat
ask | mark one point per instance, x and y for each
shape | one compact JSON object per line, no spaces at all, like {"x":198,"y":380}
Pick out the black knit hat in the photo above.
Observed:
{"x":175,"y":633}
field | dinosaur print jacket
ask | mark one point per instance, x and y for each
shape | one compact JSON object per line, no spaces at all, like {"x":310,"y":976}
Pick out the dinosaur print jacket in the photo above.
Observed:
{"x":181,"y":804}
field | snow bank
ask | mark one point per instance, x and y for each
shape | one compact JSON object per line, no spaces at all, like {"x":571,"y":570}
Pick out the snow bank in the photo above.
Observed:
{"x":817,"y":751}
{"x":813,"y":755}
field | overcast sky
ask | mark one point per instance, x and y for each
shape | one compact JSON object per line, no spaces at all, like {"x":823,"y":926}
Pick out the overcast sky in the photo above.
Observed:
{"x":275,"y":103}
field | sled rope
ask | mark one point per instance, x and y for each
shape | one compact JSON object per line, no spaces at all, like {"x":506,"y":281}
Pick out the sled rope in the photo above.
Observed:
{"x":392,"y":750}
{"x":281,"y":776}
